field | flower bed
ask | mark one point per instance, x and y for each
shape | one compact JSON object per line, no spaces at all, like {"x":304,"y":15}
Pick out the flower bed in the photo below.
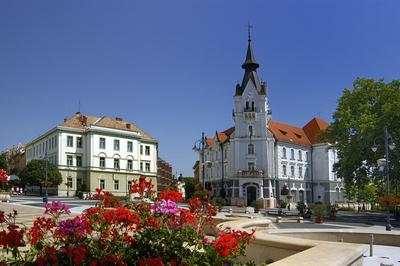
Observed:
{"x":118,"y":233}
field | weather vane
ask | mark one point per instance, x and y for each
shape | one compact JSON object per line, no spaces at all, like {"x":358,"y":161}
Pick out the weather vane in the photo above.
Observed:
{"x":249,"y":27}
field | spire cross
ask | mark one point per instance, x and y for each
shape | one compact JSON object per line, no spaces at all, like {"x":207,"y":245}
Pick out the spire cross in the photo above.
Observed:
{"x":249,"y":27}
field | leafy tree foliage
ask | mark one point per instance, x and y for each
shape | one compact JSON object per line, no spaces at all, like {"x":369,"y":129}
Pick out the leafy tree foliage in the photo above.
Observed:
{"x":359,"y":119}
{"x":3,"y":162}
{"x":34,"y":174}
{"x":189,"y":187}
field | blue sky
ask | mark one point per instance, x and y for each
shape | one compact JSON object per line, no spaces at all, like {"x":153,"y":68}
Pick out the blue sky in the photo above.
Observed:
{"x":171,"y":66}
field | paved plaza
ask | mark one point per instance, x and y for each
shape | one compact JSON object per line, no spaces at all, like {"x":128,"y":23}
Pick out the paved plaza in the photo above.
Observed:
{"x":29,"y":207}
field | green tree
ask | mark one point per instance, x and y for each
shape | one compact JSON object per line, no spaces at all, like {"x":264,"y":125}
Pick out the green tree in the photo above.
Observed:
{"x":4,"y":162}
{"x":360,"y":117}
{"x":189,"y":187}
{"x":34,"y":173}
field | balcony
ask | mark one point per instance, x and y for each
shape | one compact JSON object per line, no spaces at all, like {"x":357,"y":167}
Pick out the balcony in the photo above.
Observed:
{"x":249,"y":115}
{"x":250,"y":173}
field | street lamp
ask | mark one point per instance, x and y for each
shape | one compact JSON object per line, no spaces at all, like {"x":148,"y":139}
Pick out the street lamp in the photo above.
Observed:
{"x":384,"y":163}
{"x":222,"y":193}
{"x":199,"y":147}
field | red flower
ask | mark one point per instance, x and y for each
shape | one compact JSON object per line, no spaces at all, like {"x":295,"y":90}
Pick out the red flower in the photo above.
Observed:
{"x":170,"y":195}
{"x":40,"y":226}
{"x":12,"y":238}
{"x":151,"y":262}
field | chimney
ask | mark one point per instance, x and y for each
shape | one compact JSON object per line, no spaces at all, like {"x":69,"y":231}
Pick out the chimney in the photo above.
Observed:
{"x":84,"y":120}
{"x":128,"y":125}
{"x":118,"y":118}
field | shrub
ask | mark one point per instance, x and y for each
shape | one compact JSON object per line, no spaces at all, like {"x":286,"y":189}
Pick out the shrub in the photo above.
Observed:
{"x":319,"y":209}
{"x":348,"y":209}
{"x":283,"y":204}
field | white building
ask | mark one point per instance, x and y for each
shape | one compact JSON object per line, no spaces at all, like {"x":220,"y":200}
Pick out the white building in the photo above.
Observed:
{"x":102,"y":152}
{"x":262,"y":158}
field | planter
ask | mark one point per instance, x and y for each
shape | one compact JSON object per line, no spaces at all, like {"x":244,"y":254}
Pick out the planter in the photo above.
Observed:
{"x":319,"y":220}
{"x":5,"y":196}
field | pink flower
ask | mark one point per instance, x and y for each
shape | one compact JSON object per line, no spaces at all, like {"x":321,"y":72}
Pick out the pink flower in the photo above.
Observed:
{"x":56,"y":208}
{"x":165,"y":207}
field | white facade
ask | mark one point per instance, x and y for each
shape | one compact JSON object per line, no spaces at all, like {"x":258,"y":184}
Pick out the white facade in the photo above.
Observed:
{"x":261,"y":157}
{"x":98,"y":155}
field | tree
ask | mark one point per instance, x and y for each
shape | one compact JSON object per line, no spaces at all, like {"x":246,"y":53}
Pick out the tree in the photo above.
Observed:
{"x":360,"y":117}
{"x":189,"y":187}
{"x":3,"y":162}
{"x":34,"y":174}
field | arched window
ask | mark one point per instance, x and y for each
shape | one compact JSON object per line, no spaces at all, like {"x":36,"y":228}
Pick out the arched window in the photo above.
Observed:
{"x":292,"y":170}
{"x":250,"y":149}
{"x":292,"y":154}
{"x":284,"y":170}
{"x":247,"y":106}
{"x":300,"y":171}
{"x":284,"y":153}
{"x":252,"y":106}
{"x":300,"y":156}
{"x":250,"y":131}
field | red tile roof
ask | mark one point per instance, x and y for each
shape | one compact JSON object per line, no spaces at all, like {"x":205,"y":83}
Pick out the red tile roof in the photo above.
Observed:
{"x":313,"y":127}
{"x":82,"y":121}
{"x":284,"y":132}
{"x":288,"y":133}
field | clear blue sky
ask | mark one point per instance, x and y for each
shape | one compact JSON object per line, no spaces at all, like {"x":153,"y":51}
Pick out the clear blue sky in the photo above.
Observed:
{"x":171,"y":66}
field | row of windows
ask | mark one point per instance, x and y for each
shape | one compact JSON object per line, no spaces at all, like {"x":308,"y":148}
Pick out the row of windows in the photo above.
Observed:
{"x":70,"y":142}
{"x":292,"y":171}
{"x":102,"y":163}
{"x":129,"y":164}
{"x":41,"y":148}
{"x":299,"y":157}
{"x":70,"y":161}
{"x":102,"y":184}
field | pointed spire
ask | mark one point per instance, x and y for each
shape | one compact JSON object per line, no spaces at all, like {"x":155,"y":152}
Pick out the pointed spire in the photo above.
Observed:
{"x":250,"y":62}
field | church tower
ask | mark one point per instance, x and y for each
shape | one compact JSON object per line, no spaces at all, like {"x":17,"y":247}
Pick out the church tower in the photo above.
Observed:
{"x":252,"y":143}
{"x":252,"y":113}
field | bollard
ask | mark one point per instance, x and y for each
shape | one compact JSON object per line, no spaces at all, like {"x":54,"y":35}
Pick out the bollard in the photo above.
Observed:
{"x":371,"y":245}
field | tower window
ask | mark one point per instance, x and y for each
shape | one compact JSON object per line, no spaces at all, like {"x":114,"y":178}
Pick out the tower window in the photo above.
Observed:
{"x":250,"y":131}
{"x":251,"y":165}
{"x":250,"y":149}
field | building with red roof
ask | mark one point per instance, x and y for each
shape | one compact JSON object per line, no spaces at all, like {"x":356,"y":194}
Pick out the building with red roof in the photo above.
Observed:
{"x":259,"y":159}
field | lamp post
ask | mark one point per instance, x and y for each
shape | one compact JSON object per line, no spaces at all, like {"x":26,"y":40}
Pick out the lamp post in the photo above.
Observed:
{"x":46,"y":195}
{"x":389,"y":144}
{"x":222,"y":193}
{"x":199,"y":147}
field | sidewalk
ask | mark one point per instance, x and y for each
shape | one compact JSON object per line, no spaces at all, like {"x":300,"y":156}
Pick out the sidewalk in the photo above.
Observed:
{"x":26,"y":214}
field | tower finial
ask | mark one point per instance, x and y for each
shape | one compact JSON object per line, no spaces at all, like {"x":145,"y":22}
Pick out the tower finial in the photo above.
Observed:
{"x":249,"y":27}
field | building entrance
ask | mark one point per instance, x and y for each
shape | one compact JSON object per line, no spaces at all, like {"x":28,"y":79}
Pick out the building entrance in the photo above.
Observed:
{"x":251,"y":194}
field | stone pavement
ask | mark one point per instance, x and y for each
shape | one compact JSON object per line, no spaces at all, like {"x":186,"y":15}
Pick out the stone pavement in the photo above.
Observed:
{"x":26,"y":214}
